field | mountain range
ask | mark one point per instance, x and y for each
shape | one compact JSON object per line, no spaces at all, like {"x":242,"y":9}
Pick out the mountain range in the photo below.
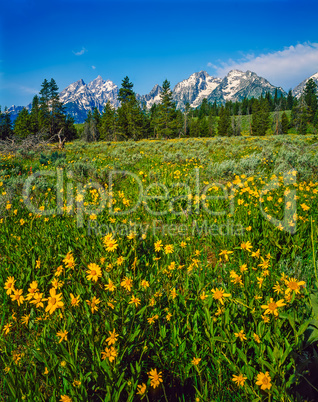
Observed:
{"x":78,"y":98}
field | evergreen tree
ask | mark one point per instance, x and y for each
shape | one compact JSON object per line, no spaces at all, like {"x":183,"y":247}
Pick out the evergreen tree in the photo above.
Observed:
{"x":300,"y":116}
{"x":167,"y":123}
{"x":57,"y":117}
{"x":284,"y":123}
{"x":130,"y":122}
{"x":260,"y":117}
{"x":44,"y":100}
{"x":51,"y":115}
{"x":35,"y":115}
{"x":22,"y":124}
{"x":204,"y":127}
{"x":126,"y":93}
{"x":185,"y":125}
{"x":224,"y":124}
{"x":310,"y":97}
{"x":5,"y":124}
{"x":194,"y":127}
{"x":108,"y":122}
{"x":290,"y":100}
{"x":212,"y":124}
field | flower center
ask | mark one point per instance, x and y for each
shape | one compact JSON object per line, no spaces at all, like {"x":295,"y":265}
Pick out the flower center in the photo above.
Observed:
{"x":93,"y":273}
{"x":218,"y":294}
{"x":53,"y":300}
{"x":265,"y":380}
{"x":293,"y":285}
{"x":272,"y":306}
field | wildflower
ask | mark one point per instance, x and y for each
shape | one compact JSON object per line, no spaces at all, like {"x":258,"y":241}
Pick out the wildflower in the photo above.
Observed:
{"x":203,"y":296}
{"x":56,"y":284}
{"x":260,"y":281}
{"x":151,"y":320}
{"x":126,"y":283}
{"x":173,"y":293}
{"x":246,"y":246}
{"x":112,"y":337}
{"x":76,"y":383}
{"x":134,"y":300}
{"x":218,"y":294}
{"x":264,"y":380}
{"x":110,"y":286}
{"x":6,"y":328}
{"x":240,"y":335}
{"x":183,"y":244}
{"x":62,"y":335}
{"x":46,"y":371}
{"x":69,"y":260}
{"x":65,"y":398}
{"x":110,"y":353}
{"x":256,"y":254}
{"x":256,"y":338}
{"x":144,"y":284}
{"x":293,"y":285}
{"x":9,"y":285}
{"x":272,"y":307}
{"x":243,"y":268}
{"x":264,"y":264}
{"x":74,"y":300}
{"x":93,"y":304}
{"x":237,"y":280}
{"x":304,"y":207}
{"x":168,"y":316}
{"x":195,"y":361}
{"x":277,"y":288}
{"x":94,"y":272}
{"x":169,"y":249}
{"x":239,"y":379}
{"x":17,"y":296}
{"x":120,"y":260}
{"x":54,"y":301}
{"x":38,"y":300}
{"x":141,"y":389}
{"x":225,"y":254}
{"x":155,"y":378}
{"x":59,"y":270}
{"x":111,"y":245}
{"x":38,"y":264}
{"x":25,"y":319}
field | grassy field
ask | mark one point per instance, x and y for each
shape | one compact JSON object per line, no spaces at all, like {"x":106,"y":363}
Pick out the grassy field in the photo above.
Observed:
{"x":177,"y":270}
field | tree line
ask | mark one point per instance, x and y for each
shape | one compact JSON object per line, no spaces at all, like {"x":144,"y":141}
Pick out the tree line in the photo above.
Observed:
{"x":131,"y":120}
{"x":47,"y":116}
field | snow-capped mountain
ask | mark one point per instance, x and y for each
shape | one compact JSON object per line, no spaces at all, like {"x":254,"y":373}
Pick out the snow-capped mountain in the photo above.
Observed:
{"x":151,"y":98}
{"x":79,"y":97}
{"x":238,"y":85}
{"x":297,"y":91}
{"x":194,"y":89}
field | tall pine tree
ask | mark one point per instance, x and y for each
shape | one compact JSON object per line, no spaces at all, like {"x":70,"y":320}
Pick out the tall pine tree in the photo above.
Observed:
{"x":167,"y":124}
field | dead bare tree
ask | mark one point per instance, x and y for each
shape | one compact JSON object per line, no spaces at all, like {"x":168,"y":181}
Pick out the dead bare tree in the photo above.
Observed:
{"x":38,"y":142}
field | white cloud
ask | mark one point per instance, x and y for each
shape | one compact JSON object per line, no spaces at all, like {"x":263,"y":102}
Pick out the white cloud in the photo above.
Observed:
{"x":80,"y":52}
{"x":28,"y":90}
{"x":285,"y":68}
{"x":93,"y":67}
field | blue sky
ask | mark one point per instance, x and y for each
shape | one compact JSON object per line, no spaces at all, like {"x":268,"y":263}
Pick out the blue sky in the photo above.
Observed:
{"x":152,"y":40}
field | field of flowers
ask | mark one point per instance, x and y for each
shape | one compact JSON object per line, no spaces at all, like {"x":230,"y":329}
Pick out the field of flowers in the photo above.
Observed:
{"x":180,"y":270}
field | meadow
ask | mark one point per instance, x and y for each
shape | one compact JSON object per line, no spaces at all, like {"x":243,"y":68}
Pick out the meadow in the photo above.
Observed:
{"x":160,"y":270}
